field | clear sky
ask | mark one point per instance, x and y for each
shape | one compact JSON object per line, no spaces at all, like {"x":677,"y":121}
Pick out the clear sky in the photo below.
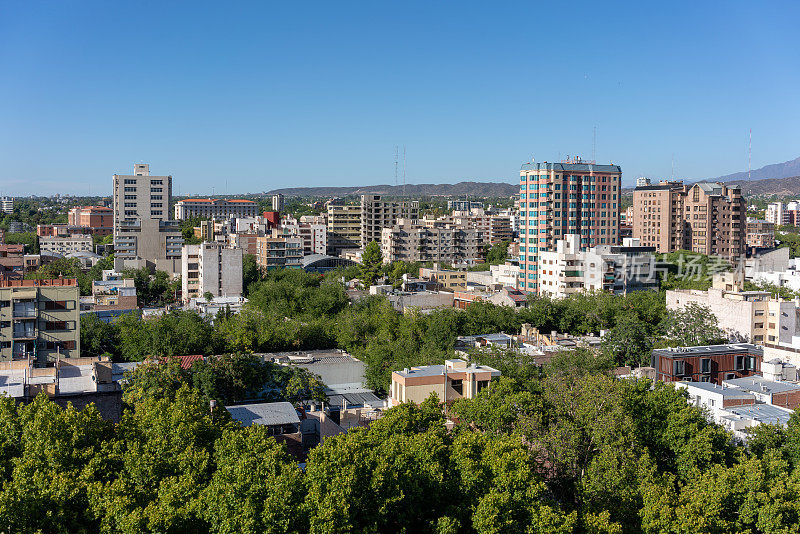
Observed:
{"x":247,"y":97}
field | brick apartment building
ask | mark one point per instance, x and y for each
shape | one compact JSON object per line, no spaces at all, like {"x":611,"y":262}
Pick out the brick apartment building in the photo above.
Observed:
{"x":712,"y":363}
{"x":708,"y":218}
{"x":99,"y":220}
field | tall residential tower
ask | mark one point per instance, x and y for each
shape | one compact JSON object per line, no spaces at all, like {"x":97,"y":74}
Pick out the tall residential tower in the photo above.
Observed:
{"x":557,"y":199}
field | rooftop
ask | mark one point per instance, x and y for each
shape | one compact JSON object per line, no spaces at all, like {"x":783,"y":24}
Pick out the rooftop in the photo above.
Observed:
{"x":764,"y":413}
{"x":679,"y":352}
{"x":265,"y":413}
{"x":725,"y":392}
{"x":759,"y":384}
{"x":438,"y":370}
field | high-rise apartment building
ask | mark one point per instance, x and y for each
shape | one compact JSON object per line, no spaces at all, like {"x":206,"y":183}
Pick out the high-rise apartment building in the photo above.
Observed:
{"x":211,"y":268}
{"x":377,"y":214}
{"x":215,"y":208}
{"x":277,"y":202}
{"x":409,"y":241}
{"x":557,"y":199}
{"x":344,"y":227}
{"x":708,"y":218}
{"x":98,"y":219}
{"x":7,"y":204}
{"x":39,"y":319}
{"x":142,"y":226}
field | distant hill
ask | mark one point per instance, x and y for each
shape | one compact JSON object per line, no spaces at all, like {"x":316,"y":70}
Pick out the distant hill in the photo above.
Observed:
{"x":461,"y":189}
{"x":787,"y":169}
{"x":781,"y":187}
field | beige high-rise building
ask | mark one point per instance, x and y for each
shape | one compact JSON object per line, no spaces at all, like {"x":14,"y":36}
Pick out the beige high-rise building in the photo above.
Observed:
{"x":344,"y":227}
{"x":39,"y":319}
{"x":708,"y":218}
{"x":377,"y":214}
{"x":143,"y":231}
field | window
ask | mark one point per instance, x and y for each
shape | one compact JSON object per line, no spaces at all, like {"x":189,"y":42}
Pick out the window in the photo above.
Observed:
{"x":55,"y":305}
{"x":55,"y":325}
{"x":705,"y":365}
{"x":457,"y":386}
{"x":678,"y":367}
{"x":130,"y":181}
{"x":740,"y":363}
{"x":130,"y":189}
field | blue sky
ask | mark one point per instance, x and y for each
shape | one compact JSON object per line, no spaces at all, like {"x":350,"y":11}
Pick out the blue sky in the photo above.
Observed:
{"x":247,"y":97}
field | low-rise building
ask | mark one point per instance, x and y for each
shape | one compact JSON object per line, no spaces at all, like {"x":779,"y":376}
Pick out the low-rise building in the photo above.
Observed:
{"x":620,"y":269}
{"x":444,"y":278}
{"x":39,"y":320}
{"x":12,"y":261}
{"x":215,"y":208}
{"x":64,"y":246}
{"x":752,"y":316}
{"x":760,"y":234}
{"x":99,"y":220}
{"x":781,"y":393}
{"x":455,"y":379}
{"x":709,"y":363}
{"x":279,"y":250}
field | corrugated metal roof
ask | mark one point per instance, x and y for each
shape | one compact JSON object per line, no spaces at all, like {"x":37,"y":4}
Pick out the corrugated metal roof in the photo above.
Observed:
{"x":265,"y":413}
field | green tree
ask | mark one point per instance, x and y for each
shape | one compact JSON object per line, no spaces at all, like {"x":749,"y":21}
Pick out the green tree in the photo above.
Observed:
{"x":256,"y":487}
{"x":692,"y":325}
{"x":628,"y":342}
{"x":371,"y":262}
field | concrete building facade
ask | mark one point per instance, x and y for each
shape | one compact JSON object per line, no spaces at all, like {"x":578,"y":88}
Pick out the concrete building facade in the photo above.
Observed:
{"x":211,"y":268}
{"x":63,"y":246}
{"x":39,"y":319}
{"x":143,"y":229}
{"x":568,"y":269}
{"x":557,"y":199}
{"x":279,"y":250}
{"x":751,"y":316}
{"x":377,"y":214}
{"x":408,"y":241}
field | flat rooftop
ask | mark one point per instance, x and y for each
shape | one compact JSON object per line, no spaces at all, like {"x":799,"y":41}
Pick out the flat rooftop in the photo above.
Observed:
{"x":763,"y":413}
{"x":759,"y":384}
{"x":678,"y":352}
{"x":725,"y":392}
{"x":438,"y":370}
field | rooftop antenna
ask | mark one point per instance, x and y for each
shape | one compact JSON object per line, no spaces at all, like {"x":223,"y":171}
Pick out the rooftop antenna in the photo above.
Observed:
{"x":404,"y":171}
{"x":594,"y":143}
{"x":672,"y":176}
{"x":749,"y":154}
{"x":396,"y":157}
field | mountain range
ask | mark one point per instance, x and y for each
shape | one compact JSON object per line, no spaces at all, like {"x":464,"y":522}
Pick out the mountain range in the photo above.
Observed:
{"x":781,"y":179}
{"x":461,"y":189}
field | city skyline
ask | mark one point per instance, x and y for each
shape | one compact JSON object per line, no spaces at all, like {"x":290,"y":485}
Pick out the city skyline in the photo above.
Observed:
{"x":257,"y":98}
